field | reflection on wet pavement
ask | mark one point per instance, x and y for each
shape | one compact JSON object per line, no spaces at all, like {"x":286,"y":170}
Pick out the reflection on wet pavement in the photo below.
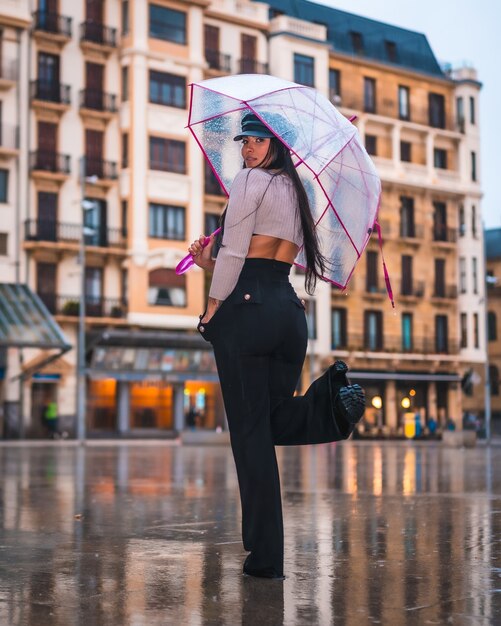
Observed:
{"x":388,"y":534}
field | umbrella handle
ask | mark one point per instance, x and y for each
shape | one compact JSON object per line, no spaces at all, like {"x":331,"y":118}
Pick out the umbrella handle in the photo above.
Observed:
{"x":185,"y":264}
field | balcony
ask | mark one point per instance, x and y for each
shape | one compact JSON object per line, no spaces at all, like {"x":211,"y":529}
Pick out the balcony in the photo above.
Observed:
{"x":105,"y":172}
{"x":69,"y":306}
{"x":447,"y":292}
{"x":412,"y":289}
{"x":47,"y":94}
{"x":52,"y":27}
{"x":376,"y":290}
{"x":442,"y":234}
{"x":411,"y":231}
{"x":98,"y":37}
{"x":64,"y":235}
{"x":9,"y":72}
{"x":9,"y":140}
{"x":218,"y":62}
{"x":96,"y":103}
{"x":49,"y":165}
{"x":424,"y":345}
{"x":251,"y":66}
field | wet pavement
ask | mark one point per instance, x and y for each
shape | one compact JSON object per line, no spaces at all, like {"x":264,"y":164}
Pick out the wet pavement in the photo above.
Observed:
{"x":387,"y":533}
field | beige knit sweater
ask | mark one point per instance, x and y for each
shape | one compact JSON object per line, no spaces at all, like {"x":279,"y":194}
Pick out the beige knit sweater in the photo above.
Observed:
{"x":260,"y":203}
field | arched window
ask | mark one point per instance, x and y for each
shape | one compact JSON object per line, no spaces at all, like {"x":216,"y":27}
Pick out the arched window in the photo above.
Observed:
{"x":492,"y":331}
{"x":494,"y":380}
{"x":166,"y":288}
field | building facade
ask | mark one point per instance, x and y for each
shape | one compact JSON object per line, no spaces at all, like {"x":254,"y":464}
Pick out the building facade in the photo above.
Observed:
{"x":112,"y":166}
{"x":493,"y":261}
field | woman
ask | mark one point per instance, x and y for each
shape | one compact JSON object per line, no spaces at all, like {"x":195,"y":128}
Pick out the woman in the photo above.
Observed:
{"x":257,"y":327}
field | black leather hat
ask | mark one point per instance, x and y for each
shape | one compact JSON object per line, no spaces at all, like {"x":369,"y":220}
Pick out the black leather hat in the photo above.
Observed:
{"x":252,"y":126}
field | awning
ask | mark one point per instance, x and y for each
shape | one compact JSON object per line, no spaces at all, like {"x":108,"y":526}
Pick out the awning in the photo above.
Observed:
{"x":437,"y":377}
{"x":25,"y":322}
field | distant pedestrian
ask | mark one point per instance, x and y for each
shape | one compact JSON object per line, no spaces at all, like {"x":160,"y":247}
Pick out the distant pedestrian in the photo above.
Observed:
{"x":51,"y":419}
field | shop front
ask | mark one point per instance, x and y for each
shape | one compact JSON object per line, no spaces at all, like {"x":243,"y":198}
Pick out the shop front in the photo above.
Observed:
{"x":152,"y":390}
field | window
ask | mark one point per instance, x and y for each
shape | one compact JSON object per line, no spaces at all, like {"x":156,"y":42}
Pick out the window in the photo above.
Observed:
{"x":4,"y":244}
{"x":167,"y":89}
{"x":464,"y":330}
{"x":369,"y":95}
{"x":474,"y":166}
{"x":436,"y":110}
{"x":371,"y":273}
{"x":371,"y":144}
{"x":406,"y":275}
{"x":124,"y":212}
{"x":335,"y":86}
{"x":391,"y":51}
{"x":125,"y":150}
{"x":441,"y":334}
{"x":474,"y":272}
{"x":472,"y":110}
{"x":462,"y":222}
{"x":125,"y":83}
{"x":440,"y":278}
{"x":339,"y":334}
{"x":167,"y":222}
{"x":166,"y":288}
{"x":125,"y":17}
{"x":403,"y":103}
{"x":211,"y":223}
{"x":460,"y":114}
{"x":167,"y":155}
{"x":440,"y":158}
{"x":494,"y":380}
{"x":405,"y":151}
{"x":407,"y":332}
{"x":476,"y":333}
{"x":167,"y":24}
{"x":304,"y":70}
{"x":4,"y":180}
{"x":212,"y":186}
{"x":492,"y":327}
{"x":474,"y":221}
{"x":357,"y":41}
{"x":439,"y":221}
{"x":462,"y":275}
{"x":373,"y":330}
{"x":407,"y":217}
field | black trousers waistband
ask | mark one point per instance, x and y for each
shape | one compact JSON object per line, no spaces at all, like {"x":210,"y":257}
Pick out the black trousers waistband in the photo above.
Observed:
{"x":266,"y":269}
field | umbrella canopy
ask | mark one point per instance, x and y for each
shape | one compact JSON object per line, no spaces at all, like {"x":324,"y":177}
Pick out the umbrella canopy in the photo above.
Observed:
{"x":340,"y":179}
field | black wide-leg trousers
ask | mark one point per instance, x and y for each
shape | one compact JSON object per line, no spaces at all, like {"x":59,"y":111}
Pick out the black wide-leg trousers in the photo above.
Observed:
{"x":259,"y":336}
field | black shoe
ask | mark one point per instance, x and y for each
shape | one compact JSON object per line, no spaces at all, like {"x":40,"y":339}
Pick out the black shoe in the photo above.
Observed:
{"x":262,"y":572}
{"x":348,"y":400}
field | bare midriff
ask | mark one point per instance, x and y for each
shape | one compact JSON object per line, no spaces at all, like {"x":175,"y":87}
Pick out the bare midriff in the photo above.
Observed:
{"x":266,"y":247}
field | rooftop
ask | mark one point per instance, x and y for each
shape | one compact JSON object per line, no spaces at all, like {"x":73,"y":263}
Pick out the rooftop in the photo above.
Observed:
{"x":363,"y":37}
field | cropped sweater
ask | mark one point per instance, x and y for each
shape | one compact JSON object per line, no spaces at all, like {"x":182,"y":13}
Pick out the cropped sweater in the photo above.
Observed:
{"x":260,"y":203}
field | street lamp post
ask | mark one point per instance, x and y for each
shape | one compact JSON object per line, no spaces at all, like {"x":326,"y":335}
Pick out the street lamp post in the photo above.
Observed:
{"x":81,"y":383}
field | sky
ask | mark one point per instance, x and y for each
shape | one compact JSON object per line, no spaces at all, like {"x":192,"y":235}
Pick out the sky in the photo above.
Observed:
{"x":459,"y":32}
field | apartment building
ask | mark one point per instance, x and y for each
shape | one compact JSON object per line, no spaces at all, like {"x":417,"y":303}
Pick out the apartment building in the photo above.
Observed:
{"x":493,"y":261}
{"x":112,"y":166}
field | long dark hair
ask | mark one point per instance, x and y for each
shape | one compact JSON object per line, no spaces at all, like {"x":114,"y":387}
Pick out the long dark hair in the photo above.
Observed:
{"x":278,"y":158}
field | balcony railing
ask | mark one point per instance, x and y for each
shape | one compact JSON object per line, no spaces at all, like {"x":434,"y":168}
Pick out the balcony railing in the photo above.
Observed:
{"x":442,"y":233}
{"x":375,"y":289}
{"x":413,"y":345}
{"x":412,"y":231}
{"x":94,"y":306}
{"x":447,"y":292}
{"x":9,"y":137}
{"x":101,"y":168}
{"x":52,"y":23}
{"x":218,"y":61}
{"x":46,"y":161}
{"x":251,"y":66}
{"x":415,"y":289}
{"x":48,"y":230}
{"x":98,"y":100}
{"x":9,"y":69}
{"x":50,"y":91}
{"x":98,"y":33}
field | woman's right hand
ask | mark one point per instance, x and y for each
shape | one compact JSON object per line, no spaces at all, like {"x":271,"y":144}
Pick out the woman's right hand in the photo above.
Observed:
{"x":202,"y":256}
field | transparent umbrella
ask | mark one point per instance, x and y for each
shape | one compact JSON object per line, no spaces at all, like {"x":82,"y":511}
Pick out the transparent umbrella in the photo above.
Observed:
{"x":340,"y":179}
